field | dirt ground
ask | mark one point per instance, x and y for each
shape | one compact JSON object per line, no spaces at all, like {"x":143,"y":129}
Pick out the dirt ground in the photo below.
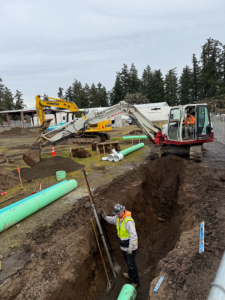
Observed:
{"x":168,"y":198}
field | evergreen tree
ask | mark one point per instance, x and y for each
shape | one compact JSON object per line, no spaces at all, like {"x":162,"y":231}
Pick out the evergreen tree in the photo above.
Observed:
{"x":210,"y":75}
{"x":77,"y":93}
{"x":102,"y":94}
{"x":94,"y":98}
{"x":171,"y":88}
{"x":136,"y":98}
{"x":86,"y":97}
{"x":196,"y":72}
{"x":117,"y":91}
{"x":222,"y":72}
{"x":69,"y":94}
{"x":146,"y":83}
{"x":134,"y":81}
{"x":2,"y":98}
{"x":60,"y":93}
{"x":19,"y":104}
{"x":8,"y":97}
{"x":158,"y":92}
{"x":185,"y":86}
{"x":125,"y":80}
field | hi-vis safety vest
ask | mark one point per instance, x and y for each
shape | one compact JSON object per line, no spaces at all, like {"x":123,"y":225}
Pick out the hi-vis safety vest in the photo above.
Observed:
{"x":123,"y":234}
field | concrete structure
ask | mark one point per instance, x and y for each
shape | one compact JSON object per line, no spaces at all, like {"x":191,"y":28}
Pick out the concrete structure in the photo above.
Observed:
{"x":30,"y":112}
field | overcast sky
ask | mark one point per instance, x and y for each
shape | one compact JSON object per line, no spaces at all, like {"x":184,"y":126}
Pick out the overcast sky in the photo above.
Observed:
{"x":47,"y":44}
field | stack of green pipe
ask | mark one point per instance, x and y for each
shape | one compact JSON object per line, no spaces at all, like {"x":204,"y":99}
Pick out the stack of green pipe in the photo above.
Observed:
{"x":25,"y":209}
{"x":28,"y":198}
{"x":135,"y":137}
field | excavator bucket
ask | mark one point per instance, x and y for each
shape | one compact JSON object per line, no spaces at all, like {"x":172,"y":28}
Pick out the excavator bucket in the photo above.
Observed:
{"x":3,"y":159}
{"x":32,"y":157}
{"x":45,"y":124}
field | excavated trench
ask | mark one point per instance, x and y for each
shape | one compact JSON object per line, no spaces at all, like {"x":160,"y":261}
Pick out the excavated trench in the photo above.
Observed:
{"x":64,"y":261}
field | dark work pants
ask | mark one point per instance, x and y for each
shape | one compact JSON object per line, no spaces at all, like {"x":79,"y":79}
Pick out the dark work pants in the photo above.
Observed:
{"x":132,"y":267}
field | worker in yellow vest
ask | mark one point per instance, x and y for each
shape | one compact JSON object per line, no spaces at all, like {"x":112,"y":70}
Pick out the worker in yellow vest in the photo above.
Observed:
{"x":128,"y":239}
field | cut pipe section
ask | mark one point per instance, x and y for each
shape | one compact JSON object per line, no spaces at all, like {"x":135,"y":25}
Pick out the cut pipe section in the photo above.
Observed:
{"x":27,"y":208}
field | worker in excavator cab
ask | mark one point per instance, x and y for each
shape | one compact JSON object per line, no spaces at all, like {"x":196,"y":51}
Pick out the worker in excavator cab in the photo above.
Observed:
{"x":188,"y":127}
{"x":128,"y":239}
{"x":190,"y":120}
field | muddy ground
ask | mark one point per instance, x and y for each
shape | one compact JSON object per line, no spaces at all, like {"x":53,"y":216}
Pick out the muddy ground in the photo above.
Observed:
{"x":168,"y":198}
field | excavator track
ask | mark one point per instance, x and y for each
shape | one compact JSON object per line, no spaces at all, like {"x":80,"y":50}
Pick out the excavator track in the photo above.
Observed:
{"x":89,"y":139}
{"x":196,"y":153}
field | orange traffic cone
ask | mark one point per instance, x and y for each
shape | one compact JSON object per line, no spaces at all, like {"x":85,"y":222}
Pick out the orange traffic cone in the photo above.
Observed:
{"x":53,"y":151}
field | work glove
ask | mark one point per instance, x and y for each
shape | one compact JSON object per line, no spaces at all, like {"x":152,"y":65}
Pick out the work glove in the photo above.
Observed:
{"x":103,"y":215}
{"x":129,"y":251}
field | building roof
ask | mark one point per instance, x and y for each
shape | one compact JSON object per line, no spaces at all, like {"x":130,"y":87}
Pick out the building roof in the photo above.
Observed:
{"x":29,"y":110}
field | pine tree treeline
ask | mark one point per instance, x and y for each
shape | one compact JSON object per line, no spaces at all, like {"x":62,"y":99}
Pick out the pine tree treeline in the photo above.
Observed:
{"x":8,"y":101}
{"x":204,"y":79}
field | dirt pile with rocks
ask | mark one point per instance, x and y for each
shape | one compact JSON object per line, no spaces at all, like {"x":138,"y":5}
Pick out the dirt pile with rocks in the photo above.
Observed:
{"x":8,"y":179}
{"x":49,"y":166}
{"x":80,"y":152}
{"x":16,"y":131}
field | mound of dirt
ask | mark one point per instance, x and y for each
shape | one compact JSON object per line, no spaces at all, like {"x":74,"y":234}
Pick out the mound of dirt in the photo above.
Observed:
{"x":49,"y":166}
{"x":80,"y":152}
{"x":136,"y":132}
{"x":8,"y":179}
{"x":16,"y":131}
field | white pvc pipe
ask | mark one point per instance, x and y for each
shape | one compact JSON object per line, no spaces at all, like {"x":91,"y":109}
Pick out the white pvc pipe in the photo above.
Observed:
{"x":104,"y":158}
{"x":110,"y":157}
{"x":118,"y":157}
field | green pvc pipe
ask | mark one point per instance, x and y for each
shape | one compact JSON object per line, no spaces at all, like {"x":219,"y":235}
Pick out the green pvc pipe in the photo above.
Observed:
{"x":128,"y":292}
{"x":132,"y":149}
{"x":134,"y":137}
{"x":29,"y":197}
{"x":25,"y":209}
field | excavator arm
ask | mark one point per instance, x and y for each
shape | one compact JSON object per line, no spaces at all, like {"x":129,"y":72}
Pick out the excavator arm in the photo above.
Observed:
{"x":122,"y":108}
{"x":55,"y":102}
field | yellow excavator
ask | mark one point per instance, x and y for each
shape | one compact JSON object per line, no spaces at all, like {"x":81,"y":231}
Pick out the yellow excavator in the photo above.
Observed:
{"x":94,"y":133}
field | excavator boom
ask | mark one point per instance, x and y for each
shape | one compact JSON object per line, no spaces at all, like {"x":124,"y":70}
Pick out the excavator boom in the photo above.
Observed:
{"x":122,"y":108}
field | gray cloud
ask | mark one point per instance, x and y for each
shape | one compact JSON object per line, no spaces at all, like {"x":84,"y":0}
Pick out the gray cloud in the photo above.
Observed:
{"x":47,"y":44}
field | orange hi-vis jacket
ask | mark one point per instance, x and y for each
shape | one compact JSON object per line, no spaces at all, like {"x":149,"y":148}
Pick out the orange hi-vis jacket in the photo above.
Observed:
{"x":189,"y":121}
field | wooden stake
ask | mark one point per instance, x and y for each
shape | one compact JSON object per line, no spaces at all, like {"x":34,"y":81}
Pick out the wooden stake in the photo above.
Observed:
{"x":104,"y":149}
{"x":132,"y":142}
{"x":98,"y":156}
{"x":20,"y":177}
{"x":71,"y":153}
{"x":91,"y":151}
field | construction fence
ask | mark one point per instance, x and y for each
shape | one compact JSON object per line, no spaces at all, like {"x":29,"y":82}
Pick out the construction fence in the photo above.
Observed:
{"x":16,"y":123}
{"x":218,"y":124}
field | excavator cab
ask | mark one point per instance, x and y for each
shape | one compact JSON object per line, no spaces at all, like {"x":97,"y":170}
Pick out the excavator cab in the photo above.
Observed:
{"x":189,"y":123}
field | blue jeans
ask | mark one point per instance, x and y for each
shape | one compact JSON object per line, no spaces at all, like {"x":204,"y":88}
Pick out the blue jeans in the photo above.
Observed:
{"x":132,"y":267}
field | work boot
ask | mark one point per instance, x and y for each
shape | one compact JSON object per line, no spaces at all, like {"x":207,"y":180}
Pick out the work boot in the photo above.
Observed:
{"x":135,"y":285}
{"x":125,"y":275}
